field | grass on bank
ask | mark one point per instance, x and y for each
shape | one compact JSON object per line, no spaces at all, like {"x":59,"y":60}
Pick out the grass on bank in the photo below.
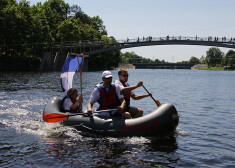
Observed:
{"x":218,"y":68}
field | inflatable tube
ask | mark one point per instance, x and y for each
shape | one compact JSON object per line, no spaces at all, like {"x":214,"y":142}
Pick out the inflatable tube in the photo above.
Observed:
{"x":162,"y":120}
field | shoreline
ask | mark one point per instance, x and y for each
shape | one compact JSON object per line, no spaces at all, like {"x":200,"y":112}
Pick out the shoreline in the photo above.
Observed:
{"x":125,"y":66}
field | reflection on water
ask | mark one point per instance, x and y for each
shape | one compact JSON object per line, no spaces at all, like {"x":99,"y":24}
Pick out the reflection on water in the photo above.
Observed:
{"x":204,"y":137}
{"x":112,"y":152}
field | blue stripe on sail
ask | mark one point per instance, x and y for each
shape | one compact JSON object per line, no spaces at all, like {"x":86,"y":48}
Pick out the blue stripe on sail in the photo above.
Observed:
{"x":71,"y":65}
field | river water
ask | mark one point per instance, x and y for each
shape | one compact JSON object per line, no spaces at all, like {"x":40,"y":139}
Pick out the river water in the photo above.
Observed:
{"x":205,"y":137}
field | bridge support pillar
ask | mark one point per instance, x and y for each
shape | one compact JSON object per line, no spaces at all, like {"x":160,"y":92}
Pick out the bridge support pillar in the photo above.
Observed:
{"x":55,"y":63}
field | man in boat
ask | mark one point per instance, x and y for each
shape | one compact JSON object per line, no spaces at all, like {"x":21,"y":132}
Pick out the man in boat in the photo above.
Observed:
{"x":127,"y":91}
{"x":70,"y":102}
{"x":109,"y":96}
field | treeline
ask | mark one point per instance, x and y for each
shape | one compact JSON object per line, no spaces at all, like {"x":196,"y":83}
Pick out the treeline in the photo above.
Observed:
{"x":26,"y":32}
{"x":132,"y":57}
{"x":215,"y":58}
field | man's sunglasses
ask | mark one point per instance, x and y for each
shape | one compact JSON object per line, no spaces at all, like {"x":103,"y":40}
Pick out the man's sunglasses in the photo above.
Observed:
{"x":125,"y":76}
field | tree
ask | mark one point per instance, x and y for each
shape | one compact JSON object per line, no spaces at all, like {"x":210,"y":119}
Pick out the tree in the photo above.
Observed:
{"x":194,"y":60}
{"x":214,"y":56}
{"x":202,"y":60}
{"x":27,"y":31}
{"x":55,"y":12}
{"x":157,"y":61}
{"x":106,"y":60}
{"x":132,"y":57}
{"x":231,"y":57}
{"x":97,"y":24}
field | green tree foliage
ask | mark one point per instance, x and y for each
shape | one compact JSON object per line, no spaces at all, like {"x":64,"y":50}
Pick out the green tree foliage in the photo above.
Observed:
{"x":229,"y":59}
{"x":202,"y":60}
{"x":108,"y":60}
{"x":185,"y":62}
{"x":157,"y":61}
{"x":194,"y":60}
{"x":132,"y":57}
{"x":214,"y":56}
{"x":28,"y":31}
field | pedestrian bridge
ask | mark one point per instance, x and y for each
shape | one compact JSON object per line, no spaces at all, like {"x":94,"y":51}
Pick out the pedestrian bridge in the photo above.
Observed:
{"x":102,"y":46}
{"x":96,"y":47}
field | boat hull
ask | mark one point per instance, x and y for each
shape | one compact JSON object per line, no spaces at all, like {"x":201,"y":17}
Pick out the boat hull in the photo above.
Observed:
{"x":162,"y":120}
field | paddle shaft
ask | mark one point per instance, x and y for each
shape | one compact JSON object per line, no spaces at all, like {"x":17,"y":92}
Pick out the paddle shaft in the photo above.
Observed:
{"x":156,"y":101}
{"x":62,"y":116}
{"x":93,"y":112}
{"x":81,"y":80}
{"x":81,"y":86}
{"x":148,"y":93}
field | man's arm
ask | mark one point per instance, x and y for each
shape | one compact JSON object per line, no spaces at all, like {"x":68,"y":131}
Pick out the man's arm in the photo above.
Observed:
{"x":77,"y":103}
{"x":130,"y":88}
{"x":122,"y":106}
{"x":93,"y":99}
{"x":138,"y":97}
{"x":89,"y":108}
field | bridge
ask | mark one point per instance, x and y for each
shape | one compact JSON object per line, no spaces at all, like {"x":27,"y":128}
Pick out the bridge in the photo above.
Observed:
{"x":103,"y":46}
{"x":96,"y":47}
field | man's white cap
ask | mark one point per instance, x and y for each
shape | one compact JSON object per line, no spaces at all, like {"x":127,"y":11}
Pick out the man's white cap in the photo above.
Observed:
{"x":107,"y":74}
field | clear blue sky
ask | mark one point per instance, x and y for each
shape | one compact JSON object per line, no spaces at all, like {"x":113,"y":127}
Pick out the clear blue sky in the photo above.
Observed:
{"x":159,"y":18}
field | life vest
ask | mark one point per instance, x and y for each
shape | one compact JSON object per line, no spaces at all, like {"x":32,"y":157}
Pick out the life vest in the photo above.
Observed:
{"x":62,"y":106}
{"x":127,"y":96}
{"x":108,"y":99}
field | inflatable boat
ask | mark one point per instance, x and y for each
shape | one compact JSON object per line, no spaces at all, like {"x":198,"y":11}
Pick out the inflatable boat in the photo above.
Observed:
{"x":162,"y":120}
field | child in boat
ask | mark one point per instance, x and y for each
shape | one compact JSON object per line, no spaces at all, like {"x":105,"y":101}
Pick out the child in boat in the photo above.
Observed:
{"x":70,"y":102}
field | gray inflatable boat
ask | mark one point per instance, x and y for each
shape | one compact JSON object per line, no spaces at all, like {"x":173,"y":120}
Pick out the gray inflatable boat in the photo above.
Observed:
{"x":162,"y":120}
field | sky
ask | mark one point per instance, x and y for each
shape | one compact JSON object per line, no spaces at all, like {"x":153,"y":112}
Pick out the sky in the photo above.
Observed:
{"x":159,"y":18}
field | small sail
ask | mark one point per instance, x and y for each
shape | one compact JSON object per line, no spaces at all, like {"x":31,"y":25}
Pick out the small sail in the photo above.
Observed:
{"x":71,"y":65}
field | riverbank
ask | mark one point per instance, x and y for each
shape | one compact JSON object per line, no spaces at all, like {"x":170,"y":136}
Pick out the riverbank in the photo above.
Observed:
{"x":205,"y":67}
{"x":125,"y":66}
{"x":199,"y":67}
{"x":219,"y":69}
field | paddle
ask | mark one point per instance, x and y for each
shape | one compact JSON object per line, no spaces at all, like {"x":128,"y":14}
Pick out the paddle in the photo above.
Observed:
{"x":156,"y":101}
{"x":56,"y":117}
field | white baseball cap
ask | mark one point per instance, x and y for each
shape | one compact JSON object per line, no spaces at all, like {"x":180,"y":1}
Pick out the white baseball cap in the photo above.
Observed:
{"x":107,"y":74}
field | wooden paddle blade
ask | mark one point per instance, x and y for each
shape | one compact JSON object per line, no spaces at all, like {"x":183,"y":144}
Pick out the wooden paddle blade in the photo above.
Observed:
{"x":158,"y":103}
{"x":54,"y":117}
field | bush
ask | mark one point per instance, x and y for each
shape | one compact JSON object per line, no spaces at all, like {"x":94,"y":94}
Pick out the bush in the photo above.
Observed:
{"x":19,"y":63}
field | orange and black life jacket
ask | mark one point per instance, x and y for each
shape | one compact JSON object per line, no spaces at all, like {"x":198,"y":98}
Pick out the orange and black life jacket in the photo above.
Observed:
{"x":108,"y":99}
{"x":71,"y":111}
{"x":127,"y":96}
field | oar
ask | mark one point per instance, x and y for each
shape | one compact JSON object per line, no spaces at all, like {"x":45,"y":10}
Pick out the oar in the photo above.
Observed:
{"x":56,"y":117}
{"x":156,"y":101}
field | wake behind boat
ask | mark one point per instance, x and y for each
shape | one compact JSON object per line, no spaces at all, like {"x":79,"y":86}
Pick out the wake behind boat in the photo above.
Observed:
{"x":162,"y":120}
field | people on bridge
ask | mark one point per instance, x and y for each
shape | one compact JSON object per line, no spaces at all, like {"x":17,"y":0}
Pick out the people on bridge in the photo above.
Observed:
{"x":70,"y":102}
{"x":109,"y":96}
{"x":127,"y":91}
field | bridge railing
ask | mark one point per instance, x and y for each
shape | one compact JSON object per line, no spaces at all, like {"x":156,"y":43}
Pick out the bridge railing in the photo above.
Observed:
{"x":167,"y":38}
{"x":97,"y":43}
{"x":100,"y":43}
